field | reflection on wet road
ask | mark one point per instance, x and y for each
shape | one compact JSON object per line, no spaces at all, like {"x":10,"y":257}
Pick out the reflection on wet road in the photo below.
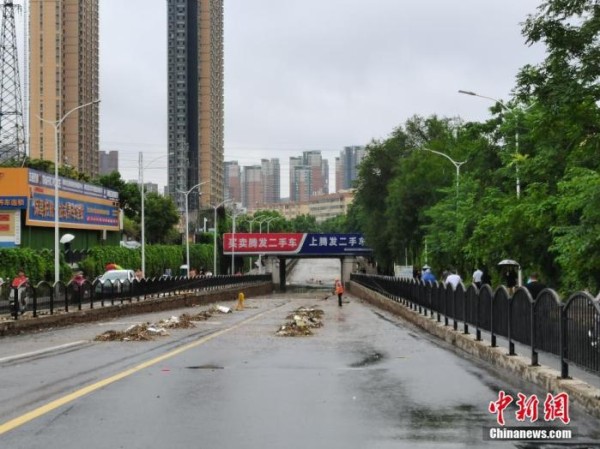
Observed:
{"x":363,"y":380}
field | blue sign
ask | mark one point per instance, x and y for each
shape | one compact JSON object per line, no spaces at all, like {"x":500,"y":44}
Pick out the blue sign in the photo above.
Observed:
{"x":335,"y":244}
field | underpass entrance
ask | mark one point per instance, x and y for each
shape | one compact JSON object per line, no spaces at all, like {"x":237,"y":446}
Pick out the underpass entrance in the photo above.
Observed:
{"x":281,"y":246}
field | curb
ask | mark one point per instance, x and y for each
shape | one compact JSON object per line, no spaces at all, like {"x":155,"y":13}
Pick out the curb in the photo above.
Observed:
{"x":14,"y":327}
{"x":33,"y":354}
{"x":584,"y":394}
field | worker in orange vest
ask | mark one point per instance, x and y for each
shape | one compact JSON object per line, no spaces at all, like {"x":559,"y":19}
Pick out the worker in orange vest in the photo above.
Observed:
{"x":339,"y":291}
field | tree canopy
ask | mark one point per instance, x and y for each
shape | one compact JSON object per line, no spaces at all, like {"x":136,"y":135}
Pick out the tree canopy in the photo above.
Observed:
{"x":545,"y":139}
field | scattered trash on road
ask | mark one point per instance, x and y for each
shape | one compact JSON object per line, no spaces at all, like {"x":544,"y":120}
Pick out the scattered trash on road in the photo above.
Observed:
{"x":301,"y":322}
{"x":148,"y":331}
{"x":136,"y":332}
{"x":223,"y":309}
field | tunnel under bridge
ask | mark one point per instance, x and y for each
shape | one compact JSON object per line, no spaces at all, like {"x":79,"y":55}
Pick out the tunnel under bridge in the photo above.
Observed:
{"x":280,"y":247}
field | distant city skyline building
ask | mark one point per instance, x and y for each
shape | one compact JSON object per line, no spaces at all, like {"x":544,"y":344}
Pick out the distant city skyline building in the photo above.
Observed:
{"x":339,"y":174}
{"x":63,"y":74}
{"x":252,"y":186}
{"x":319,"y":172}
{"x":149,"y":187}
{"x":195,"y":101}
{"x":349,"y":160}
{"x":271,"y":176}
{"x":233,"y":181}
{"x":301,"y":181}
{"x":109,"y":162}
{"x":309,"y":176}
{"x":295,"y":161}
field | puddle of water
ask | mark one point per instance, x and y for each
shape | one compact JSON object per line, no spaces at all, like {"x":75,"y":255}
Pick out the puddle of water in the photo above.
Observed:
{"x":205,"y":367}
{"x":370,"y":359}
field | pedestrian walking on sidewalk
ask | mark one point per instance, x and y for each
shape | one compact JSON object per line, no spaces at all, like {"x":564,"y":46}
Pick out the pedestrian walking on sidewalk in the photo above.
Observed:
{"x":339,"y":291}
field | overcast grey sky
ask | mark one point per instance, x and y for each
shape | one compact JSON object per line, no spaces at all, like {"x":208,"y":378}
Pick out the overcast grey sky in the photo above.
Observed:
{"x":312,"y":74}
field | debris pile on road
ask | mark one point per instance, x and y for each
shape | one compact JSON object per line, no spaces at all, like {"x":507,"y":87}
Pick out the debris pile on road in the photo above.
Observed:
{"x":182,"y":322}
{"x":300,"y":322}
{"x":136,"y":332}
{"x":220,"y":309}
{"x":147,"y":331}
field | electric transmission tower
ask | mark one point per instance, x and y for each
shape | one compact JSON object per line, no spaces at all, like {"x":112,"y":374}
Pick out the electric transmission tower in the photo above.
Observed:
{"x":12,"y":132}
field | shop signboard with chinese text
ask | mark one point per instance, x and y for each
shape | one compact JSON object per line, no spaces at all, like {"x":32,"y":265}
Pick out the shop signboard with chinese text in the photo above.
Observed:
{"x":302,"y":244}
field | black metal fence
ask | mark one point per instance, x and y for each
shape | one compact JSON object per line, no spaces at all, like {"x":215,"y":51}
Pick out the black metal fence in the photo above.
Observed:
{"x":49,"y":298}
{"x":568,"y":329}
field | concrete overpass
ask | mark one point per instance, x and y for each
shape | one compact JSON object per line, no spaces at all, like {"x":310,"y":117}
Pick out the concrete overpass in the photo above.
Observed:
{"x":279,"y":247}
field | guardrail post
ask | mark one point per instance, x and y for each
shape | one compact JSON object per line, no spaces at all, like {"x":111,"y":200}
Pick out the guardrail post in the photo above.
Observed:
{"x":15,"y":308}
{"x":534,"y":354}
{"x":511,"y":345}
{"x":454,"y":322}
{"x":446,"y":306}
{"x":52,"y":295}
{"x":564,"y":366}
{"x":34,"y":300}
{"x":477,"y":319}
{"x":493,"y":335}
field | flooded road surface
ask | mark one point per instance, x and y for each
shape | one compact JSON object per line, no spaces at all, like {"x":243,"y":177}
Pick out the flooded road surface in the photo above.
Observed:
{"x":363,"y":380}
{"x":315,"y":272}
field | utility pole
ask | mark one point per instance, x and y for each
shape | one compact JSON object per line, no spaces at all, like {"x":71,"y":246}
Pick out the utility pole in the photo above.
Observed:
{"x":12,"y":130}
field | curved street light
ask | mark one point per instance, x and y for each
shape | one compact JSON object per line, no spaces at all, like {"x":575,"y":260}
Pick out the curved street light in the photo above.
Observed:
{"x":456,"y":164}
{"x":511,"y":110}
{"x":269,"y":222}
{"x":56,"y":124}
{"x":141,"y":168}
{"x":187,"y":225}
{"x":215,"y":234}
{"x":234,"y":214}
{"x":266,"y":221}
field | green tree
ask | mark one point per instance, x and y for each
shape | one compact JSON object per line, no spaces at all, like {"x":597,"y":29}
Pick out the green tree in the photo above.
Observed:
{"x":304,"y":223}
{"x":335,"y":225}
{"x":160,"y":216}
{"x":129,"y":194}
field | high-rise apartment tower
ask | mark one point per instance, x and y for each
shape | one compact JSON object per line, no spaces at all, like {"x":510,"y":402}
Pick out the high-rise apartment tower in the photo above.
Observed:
{"x":347,"y":170}
{"x":233,"y":181}
{"x":271,"y":174}
{"x":63,"y":75}
{"x":195,"y":100}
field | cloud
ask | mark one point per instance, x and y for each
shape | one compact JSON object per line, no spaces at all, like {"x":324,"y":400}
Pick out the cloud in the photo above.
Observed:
{"x":314,"y":74}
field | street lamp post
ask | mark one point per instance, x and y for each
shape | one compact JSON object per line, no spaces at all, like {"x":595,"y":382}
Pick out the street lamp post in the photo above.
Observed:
{"x":234,"y":214}
{"x":56,"y":124}
{"x":265,"y":221}
{"x":251,"y":221}
{"x":269,"y":222}
{"x":456,"y":164}
{"x":141,"y":168}
{"x":506,"y":108}
{"x":215,"y":236}
{"x":187,"y":226}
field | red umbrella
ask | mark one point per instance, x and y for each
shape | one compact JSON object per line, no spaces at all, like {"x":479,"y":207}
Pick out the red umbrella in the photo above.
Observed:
{"x":113,"y":266}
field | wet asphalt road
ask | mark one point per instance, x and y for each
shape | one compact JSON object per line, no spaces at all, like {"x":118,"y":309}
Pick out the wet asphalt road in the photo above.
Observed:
{"x":363,"y":380}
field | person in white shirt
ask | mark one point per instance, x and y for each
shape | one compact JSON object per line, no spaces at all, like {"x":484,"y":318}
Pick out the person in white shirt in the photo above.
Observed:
{"x":453,"y":279}
{"x":477,"y":276}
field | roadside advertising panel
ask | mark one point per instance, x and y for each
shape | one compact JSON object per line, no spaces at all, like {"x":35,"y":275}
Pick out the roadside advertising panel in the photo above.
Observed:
{"x":10,"y":228}
{"x":81,"y":205}
{"x":295,"y":243}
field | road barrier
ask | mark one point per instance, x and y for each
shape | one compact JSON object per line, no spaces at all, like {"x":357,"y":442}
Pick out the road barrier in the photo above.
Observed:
{"x":568,"y":329}
{"x":50,"y":298}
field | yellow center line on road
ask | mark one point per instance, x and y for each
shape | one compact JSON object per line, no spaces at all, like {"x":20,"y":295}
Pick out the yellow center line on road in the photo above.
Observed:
{"x":34,"y":414}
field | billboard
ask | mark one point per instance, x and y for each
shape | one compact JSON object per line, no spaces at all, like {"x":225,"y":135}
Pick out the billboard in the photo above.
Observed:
{"x":282,"y":243}
{"x":81,"y":205}
{"x":10,"y":228}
